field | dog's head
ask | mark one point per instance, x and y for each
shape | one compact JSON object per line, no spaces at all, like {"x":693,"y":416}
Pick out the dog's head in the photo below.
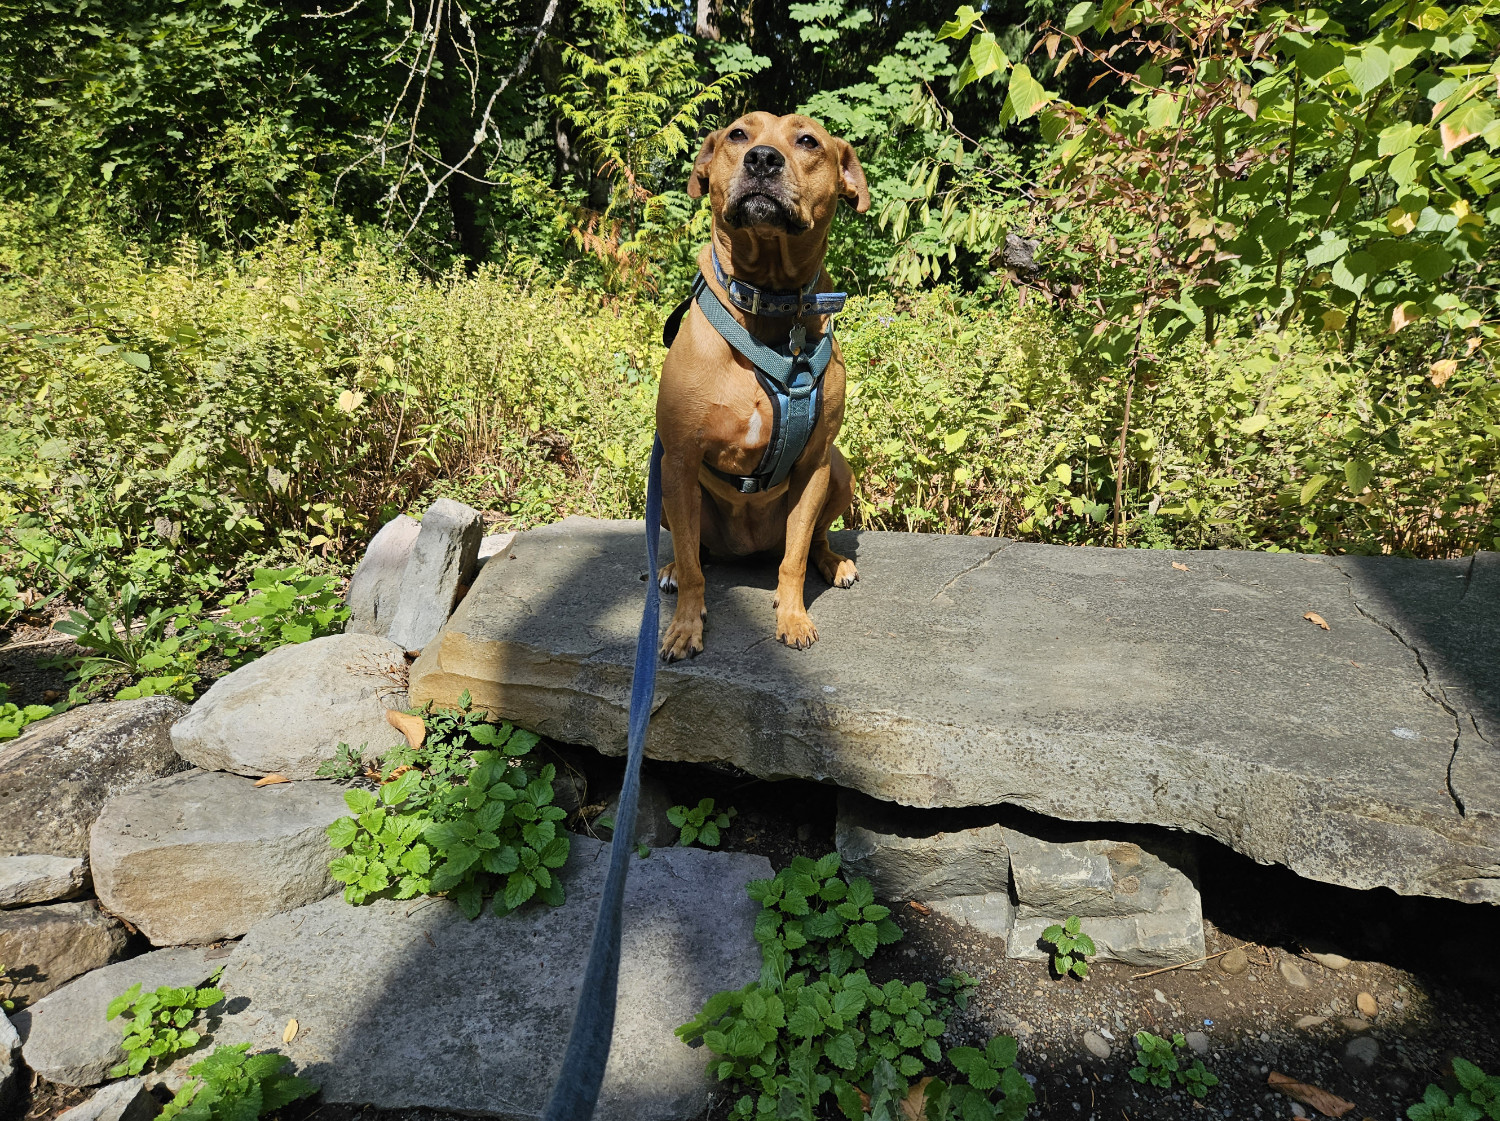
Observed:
{"x":777,"y":175}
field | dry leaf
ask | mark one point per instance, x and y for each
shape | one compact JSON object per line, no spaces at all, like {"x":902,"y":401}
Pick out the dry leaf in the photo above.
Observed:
{"x":290,"y":1033}
{"x":914,"y":1105}
{"x":271,"y":779}
{"x":1404,"y":314}
{"x":920,"y":908}
{"x":394,"y":775}
{"x":1179,"y":567}
{"x":1329,"y":1105}
{"x":1440,"y":372}
{"x":408,"y":725}
{"x":1314,"y":617}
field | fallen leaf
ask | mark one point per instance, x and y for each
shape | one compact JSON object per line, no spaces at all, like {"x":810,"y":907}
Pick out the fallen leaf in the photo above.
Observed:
{"x":1314,"y":617}
{"x":1440,"y":372}
{"x":394,"y":775}
{"x":408,"y":725}
{"x":1329,"y":1105}
{"x":1179,"y":567}
{"x":290,"y":1033}
{"x":914,"y":1105}
{"x":920,"y":908}
{"x":272,"y":779}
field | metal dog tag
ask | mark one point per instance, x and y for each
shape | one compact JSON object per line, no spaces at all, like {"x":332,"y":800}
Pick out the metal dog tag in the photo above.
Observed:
{"x":797,"y":339}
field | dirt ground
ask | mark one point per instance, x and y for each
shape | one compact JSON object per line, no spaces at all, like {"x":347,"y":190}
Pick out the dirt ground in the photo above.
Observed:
{"x":1429,"y":965}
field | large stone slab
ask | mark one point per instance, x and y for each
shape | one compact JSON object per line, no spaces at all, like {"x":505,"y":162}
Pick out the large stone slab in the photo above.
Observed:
{"x":65,"y":1037}
{"x":35,"y":878}
{"x":125,"y":1100}
{"x":1086,"y":684}
{"x":375,"y":587}
{"x":57,"y":773}
{"x":907,"y":855}
{"x":444,"y":556}
{"x":10,"y":1060}
{"x":288,"y":711}
{"x":403,"y":1004}
{"x":205,"y":856}
{"x":43,"y":948}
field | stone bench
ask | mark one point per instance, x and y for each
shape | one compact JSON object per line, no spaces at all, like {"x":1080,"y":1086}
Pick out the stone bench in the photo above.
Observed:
{"x":1181,"y":689}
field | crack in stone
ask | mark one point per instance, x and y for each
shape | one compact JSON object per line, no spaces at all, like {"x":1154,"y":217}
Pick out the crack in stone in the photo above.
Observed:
{"x":973,"y":567}
{"x":1439,"y":698}
{"x":1468,"y":577}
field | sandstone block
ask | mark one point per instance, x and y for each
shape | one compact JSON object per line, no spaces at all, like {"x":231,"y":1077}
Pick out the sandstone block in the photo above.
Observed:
{"x":375,"y":587}
{"x":288,"y":711}
{"x":45,"y":947}
{"x":57,"y":773}
{"x":34,"y":878}
{"x":445,"y":555}
{"x":204,"y":856}
{"x":902,"y":856}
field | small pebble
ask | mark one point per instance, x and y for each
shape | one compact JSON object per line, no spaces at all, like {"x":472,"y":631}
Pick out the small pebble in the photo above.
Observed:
{"x":1198,"y":1042}
{"x":1367,"y":1005}
{"x":1096,"y":1045}
{"x":1311,"y":1021}
{"x":1161,"y":997}
{"x":1292,"y":974}
{"x":1354,"y":1023}
{"x":804,"y":832}
{"x":1330,"y":961}
{"x":1360,"y":1054}
{"x":1234,"y":962}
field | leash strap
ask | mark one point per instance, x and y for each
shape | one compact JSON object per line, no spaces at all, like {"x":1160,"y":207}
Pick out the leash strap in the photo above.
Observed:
{"x":577,"y":1089}
{"x":792,"y":381}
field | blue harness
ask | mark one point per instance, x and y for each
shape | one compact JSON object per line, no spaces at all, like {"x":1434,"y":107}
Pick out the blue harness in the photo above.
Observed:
{"x":791,"y":374}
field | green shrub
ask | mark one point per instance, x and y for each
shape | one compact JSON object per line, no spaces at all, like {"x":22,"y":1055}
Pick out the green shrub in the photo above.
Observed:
{"x":812,"y":920}
{"x":1157,"y":1065}
{"x":233,"y":1085}
{"x":1070,"y":947}
{"x":701,"y":823}
{"x":158,"y":1024}
{"x":1479,"y":1097}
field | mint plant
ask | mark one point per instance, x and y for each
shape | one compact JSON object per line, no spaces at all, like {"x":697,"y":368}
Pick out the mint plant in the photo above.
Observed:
{"x":814,"y":920}
{"x":1157,"y":1065}
{"x":995,"y":1089}
{"x":1478,"y":1099}
{"x":233,"y":1085}
{"x":158,"y":1024}
{"x":1070,"y":947}
{"x":700,"y":823}
{"x":385,"y":848}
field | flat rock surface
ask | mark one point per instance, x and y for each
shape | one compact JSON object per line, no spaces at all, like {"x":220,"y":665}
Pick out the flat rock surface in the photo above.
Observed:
{"x":1082,"y":683}
{"x":288,"y":711}
{"x":42,"y":948}
{"x":403,"y":1004}
{"x":57,"y":773}
{"x":65,"y":1037}
{"x":34,"y":878}
{"x":203,"y":856}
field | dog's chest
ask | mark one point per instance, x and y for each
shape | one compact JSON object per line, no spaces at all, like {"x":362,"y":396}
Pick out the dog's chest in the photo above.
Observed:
{"x":738,"y":424}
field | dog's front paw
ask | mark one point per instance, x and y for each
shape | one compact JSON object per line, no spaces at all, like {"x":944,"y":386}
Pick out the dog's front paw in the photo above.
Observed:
{"x":838,"y":571}
{"x":684,"y":638}
{"x":666,"y":577}
{"x":795,"y":628}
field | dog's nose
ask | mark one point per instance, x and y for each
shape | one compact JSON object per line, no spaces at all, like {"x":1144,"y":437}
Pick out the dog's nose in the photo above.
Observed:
{"x":764,"y":161}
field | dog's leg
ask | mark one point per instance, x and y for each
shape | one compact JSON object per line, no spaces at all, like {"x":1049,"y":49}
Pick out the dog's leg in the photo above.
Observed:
{"x":682,"y":505}
{"x":837,"y":570}
{"x":793,"y":624}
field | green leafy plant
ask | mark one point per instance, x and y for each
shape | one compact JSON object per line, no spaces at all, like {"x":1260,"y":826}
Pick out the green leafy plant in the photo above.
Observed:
{"x":7,"y":1002}
{"x":1157,"y":1065}
{"x":278,"y":607}
{"x":955,"y":989}
{"x":457,"y":821}
{"x":1070,"y":947}
{"x":996,"y":1090}
{"x":14,"y":717}
{"x":233,"y":1085}
{"x":126,"y":638}
{"x":812,"y":919}
{"x":347,"y":763}
{"x":701,"y":823}
{"x":158,"y":1024}
{"x":1478,"y":1099}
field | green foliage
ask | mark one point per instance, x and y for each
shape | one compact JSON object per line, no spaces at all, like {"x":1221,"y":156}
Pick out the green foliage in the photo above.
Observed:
{"x":1478,"y":1099}
{"x":279,"y":607}
{"x":1070,"y":947}
{"x":701,"y":823}
{"x":812,"y":920}
{"x":1157,"y":1065}
{"x":955,"y":989}
{"x":454,"y":820}
{"x":348,"y":763}
{"x":996,"y":1090}
{"x":6,"y":1002}
{"x":13,"y":718}
{"x":233,"y":1085}
{"x":158,"y":1025}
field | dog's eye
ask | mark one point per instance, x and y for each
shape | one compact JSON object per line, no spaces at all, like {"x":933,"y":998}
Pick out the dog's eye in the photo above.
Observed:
{"x":737,"y":134}
{"x":808,"y":142}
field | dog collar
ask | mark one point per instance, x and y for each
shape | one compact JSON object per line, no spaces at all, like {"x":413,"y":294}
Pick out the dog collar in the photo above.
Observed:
{"x":777,"y":302}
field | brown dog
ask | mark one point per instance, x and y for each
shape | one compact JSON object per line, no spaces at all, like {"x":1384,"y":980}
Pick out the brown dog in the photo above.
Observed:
{"x":774,"y":184}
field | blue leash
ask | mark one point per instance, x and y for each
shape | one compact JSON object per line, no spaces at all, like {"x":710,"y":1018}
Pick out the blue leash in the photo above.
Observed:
{"x":577,"y":1088}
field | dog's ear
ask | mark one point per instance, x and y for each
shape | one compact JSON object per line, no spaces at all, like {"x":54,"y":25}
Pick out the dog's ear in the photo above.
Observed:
{"x":698,"y":181}
{"x":852,"y":178}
